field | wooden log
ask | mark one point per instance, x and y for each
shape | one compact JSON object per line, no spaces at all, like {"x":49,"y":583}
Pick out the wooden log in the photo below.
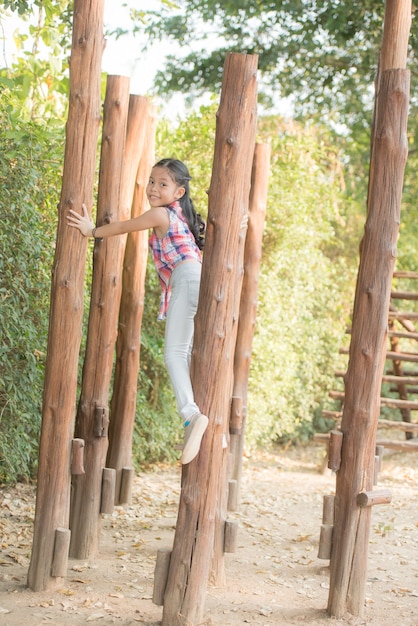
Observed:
{"x":399,"y":404}
{"x":391,"y":444}
{"x":404,"y":426}
{"x":378,"y":459}
{"x":402,"y":389}
{"x":126,"y":484}
{"x":108,"y":490}
{"x":400,"y":356}
{"x":232,"y":495}
{"x":370,"y":498}
{"x":92,"y":417}
{"x":162,"y":566}
{"x":60,"y":559}
{"x":231,"y":536}
{"x":77,"y":457}
{"x":406,"y":357}
{"x":67,"y":291}
{"x":404,"y":295}
{"x":376,"y":470}
{"x":203,"y":495}
{"x":403,"y":315}
{"x":403,"y":335}
{"x":404,"y":274}
{"x":411,"y":391}
{"x":328,"y":506}
{"x":249,"y":296}
{"x":335,"y":415}
{"x":334,"y":452}
{"x":389,"y":148}
{"x":405,"y":446}
{"x":390,"y":402}
{"x":236,"y":419}
{"x":407,"y":380}
{"x":325,"y":541}
{"x":379,"y":453}
{"x":137,"y":163}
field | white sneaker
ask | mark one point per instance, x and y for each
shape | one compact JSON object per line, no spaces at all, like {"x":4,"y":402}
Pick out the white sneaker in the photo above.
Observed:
{"x":193,"y":434}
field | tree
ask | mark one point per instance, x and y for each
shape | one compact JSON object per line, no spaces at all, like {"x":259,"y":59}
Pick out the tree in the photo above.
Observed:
{"x":319,"y":53}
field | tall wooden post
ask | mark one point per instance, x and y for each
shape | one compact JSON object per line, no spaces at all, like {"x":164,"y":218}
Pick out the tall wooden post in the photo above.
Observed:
{"x":369,"y":328}
{"x":67,"y":292}
{"x":123,"y":404}
{"x":213,"y":352}
{"x":246,"y":308}
{"x":92,"y":418}
{"x":248,"y":311}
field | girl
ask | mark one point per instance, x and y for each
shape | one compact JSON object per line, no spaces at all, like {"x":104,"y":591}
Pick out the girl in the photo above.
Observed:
{"x":176,"y":242}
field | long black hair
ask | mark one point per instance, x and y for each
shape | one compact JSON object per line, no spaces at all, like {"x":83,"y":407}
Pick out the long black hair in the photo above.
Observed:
{"x":181,"y":176}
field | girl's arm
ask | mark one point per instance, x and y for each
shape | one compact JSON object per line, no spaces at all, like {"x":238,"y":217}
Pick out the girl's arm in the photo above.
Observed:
{"x":157,"y":217}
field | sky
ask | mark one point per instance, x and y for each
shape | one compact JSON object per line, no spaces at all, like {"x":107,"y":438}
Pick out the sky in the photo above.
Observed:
{"x":123,"y":57}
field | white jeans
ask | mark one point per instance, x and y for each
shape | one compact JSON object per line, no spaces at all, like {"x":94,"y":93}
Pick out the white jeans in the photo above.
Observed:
{"x":179,"y":331}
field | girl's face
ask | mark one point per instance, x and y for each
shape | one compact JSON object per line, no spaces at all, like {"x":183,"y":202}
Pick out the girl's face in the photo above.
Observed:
{"x":161,"y":188}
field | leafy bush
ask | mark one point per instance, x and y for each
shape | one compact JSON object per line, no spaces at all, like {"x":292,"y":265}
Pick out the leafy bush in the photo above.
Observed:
{"x":29,"y":175}
{"x":305,"y":289}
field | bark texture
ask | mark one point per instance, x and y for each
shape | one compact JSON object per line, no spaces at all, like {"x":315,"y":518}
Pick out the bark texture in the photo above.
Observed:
{"x":92,"y":420}
{"x":367,"y":354}
{"x":67,"y":289}
{"x":214,"y":343}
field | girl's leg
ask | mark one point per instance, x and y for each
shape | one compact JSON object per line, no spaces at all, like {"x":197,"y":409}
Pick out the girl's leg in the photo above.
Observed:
{"x":185,"y":283}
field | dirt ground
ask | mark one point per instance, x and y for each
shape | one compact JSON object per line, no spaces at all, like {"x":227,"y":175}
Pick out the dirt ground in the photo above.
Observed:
{"x":274,"y":577}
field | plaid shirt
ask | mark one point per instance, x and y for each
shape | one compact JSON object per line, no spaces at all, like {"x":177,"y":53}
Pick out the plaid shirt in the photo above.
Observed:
{"x":178,"y":244}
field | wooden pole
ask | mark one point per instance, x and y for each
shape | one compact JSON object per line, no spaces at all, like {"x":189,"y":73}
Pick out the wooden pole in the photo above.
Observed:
{"x":212,"y":361}
{"x":140,"y":151}
{"x":348,"y":571}
{"x":67,"y":289}
{"x":248,"y":306}
{"x":93,"y":414}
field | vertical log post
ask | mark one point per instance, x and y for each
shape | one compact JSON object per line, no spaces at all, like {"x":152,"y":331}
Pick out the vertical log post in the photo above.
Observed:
{"x":61,"y":547}
{"x":248,"y":306}
{"x":126,"y":485}
{"x":107,"y":501}
{"x":334,"y":450}
{"x":140,"y":147}
{"x":231,"y":536}
{"x":77,"y":456}
{"x":67,"y":292}
{"x":160,"y":575}
{"x":212,"y":361}
{"x":348,"y":567}
{"x":92,"y":415}
{"x":327,"y":528}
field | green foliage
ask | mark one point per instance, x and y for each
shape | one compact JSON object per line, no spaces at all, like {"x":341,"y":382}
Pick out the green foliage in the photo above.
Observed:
{"x":323,"y":54}
{"x":36,"y":85}
{"x":31,"y":153}
{"x":306,"y":286}
{"x":29,"y":174}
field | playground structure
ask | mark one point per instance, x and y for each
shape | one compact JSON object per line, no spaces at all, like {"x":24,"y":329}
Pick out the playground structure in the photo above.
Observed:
{"x":400,"y":377}
{"x":77,"y":450}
